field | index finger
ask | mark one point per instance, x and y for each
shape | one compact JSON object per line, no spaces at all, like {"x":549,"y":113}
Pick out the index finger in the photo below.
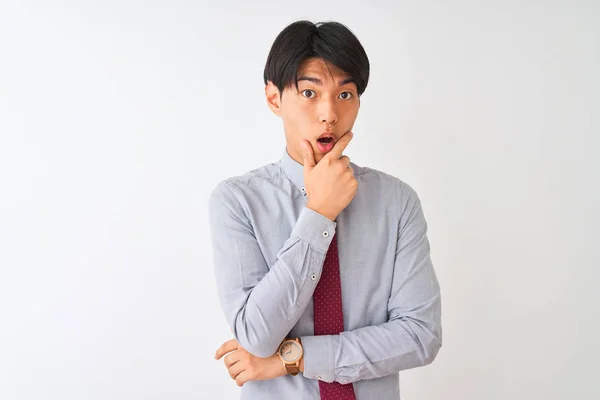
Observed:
{"x":225,"y":348}
{"x":340,"y":146}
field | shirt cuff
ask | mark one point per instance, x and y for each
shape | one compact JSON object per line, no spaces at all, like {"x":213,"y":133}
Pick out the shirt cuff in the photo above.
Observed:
{"x":319,"y":361}
{"x":315,"y":229}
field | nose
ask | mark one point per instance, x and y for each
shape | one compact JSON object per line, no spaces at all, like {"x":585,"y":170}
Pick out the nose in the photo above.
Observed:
{"x":328,"y":112}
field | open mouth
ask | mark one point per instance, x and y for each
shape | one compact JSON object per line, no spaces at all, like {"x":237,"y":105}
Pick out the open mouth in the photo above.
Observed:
{"x":325,"y":144}
{"x":325,"y":140}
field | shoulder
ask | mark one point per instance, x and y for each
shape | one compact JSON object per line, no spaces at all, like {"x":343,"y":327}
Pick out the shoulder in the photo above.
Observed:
{"x":381,"y":182}
{"x":231,"y":189}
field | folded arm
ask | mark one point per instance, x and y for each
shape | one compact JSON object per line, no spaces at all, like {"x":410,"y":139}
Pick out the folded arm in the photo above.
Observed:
{"x":412,"y":336}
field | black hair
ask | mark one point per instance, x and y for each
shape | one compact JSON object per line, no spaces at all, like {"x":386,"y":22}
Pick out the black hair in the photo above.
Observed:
{"x":331,"y":41}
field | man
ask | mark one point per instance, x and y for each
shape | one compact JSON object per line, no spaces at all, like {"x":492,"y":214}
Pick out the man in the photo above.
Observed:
{"x":322,"y":266}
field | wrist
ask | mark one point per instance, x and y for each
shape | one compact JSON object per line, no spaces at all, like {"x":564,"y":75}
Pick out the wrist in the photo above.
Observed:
{"x":327,"y":215}
{"x":281,"y":366}
{"x":291,"y":354}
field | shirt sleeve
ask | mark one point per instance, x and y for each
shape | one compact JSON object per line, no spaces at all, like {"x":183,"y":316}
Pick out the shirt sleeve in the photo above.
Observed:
{"x":412,"y":336}
{"x":261,"y":302}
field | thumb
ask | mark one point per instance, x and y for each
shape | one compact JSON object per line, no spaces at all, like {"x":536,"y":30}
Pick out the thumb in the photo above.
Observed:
{"x":308,"y":155}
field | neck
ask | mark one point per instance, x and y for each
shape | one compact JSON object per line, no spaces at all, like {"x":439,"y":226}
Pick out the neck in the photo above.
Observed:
{"x":295,"y":155}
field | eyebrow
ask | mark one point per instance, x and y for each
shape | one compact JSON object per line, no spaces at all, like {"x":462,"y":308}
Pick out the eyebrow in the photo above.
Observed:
{"x":319,"y":82}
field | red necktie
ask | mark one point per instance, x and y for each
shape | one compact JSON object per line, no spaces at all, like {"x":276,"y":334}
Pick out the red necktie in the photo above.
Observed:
{"x":329,"y":319}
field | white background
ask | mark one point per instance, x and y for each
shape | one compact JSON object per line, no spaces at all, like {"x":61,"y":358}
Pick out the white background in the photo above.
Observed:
{"x":117,"y":118}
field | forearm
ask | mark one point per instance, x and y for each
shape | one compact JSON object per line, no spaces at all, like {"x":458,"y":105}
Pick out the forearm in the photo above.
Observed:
{"x":262,"y":303}
{"x":372,"y":351}
{"x":277,"y":302}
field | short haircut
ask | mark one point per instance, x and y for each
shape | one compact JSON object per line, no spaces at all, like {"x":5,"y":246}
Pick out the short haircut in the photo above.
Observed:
{"x":331,"y":41}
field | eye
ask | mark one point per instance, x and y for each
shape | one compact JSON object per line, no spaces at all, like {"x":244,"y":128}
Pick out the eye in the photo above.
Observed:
{"x":308,"y":91}
{"x":347,"y":97}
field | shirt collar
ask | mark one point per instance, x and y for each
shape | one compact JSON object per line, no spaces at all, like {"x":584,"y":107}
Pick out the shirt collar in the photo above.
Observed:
{"x":293,"y":170}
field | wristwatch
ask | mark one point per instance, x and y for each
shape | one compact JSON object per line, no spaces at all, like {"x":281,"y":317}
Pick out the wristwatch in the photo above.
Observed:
{"x":291,"y":352}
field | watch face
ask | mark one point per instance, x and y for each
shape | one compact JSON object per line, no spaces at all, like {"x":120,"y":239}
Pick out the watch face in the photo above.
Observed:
{"x":290,"y":351}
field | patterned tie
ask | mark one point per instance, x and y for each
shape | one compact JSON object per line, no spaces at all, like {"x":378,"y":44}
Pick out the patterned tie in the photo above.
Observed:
{"x":329,"y":319}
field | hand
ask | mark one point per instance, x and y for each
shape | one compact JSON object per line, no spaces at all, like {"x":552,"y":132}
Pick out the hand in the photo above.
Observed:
{"x":330,"y":185}
{"x":244,"y":367}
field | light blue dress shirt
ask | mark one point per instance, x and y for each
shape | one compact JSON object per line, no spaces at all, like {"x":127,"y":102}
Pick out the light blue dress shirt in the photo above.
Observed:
{"x":268,"y":252}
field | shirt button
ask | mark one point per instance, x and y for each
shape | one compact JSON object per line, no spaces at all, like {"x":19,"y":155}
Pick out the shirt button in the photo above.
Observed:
{"x":325,"y":234}
{"x":313,"y":277}
{"x":303,"y":190}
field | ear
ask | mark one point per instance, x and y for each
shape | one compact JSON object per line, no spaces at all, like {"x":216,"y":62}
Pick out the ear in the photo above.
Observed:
{"x":273,"y":98}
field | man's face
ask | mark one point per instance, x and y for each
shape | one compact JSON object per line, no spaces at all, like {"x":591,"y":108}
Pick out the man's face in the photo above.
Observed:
{"x":324,"y":102}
